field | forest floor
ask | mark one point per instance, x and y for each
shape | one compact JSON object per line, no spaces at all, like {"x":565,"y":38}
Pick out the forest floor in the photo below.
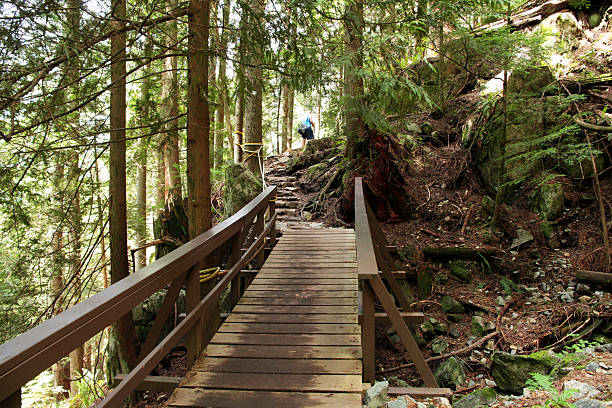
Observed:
{"x":535,"y":315}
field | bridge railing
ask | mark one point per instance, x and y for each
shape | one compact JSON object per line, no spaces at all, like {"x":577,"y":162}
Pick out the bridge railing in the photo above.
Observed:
{"x":26,"y":356}
{"x":374,"y":263}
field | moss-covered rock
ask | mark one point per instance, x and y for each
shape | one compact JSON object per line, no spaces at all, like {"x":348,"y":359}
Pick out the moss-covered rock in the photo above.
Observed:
{"x":510,"y":372}
{"x":482,"y":397}
{"x":451,"y":373}
{"x":241,"y":186}
{"x":478,"y":326}
{"x":432,"y":327}
{"x":450,"y":305}
{"x":548,"y":201}
{"x":439,"y":346}
{"x":460,"y":271}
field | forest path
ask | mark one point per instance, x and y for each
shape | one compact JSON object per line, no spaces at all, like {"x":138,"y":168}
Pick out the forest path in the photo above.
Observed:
{"x":288,"y":202}
{"x":293,"y":339}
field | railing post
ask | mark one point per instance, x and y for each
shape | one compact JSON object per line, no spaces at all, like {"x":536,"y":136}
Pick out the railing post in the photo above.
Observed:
{"x":368,"y":332}
{"x":259,"y":228}
{"x":235,"y":255}
{"x":193,"y":339}
{"x":272,"y":210}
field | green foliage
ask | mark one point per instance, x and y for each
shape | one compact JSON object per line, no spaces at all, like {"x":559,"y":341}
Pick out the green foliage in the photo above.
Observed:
{"x":544,"y":383}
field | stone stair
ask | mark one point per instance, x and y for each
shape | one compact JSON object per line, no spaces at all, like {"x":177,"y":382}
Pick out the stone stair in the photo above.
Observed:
{"x":288,"y":204}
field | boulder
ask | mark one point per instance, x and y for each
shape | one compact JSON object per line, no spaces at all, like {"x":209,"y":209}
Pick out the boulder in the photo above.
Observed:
{"x":376,"y":395}
{"x":548,"y":201}
{"x":241,"y":186}
{"x":313,"y":176}
{"x":590,"y":403}
{"x":480,"y":398}
{"x":522,"y":237}
{"x":510,"y":372}
{"x":451,"y":373}
{"x":439,"y":346}
{"x":432,"y":327}
{"x":450,"y":305}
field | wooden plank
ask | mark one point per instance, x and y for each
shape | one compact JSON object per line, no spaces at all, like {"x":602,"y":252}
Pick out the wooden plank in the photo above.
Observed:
{"x":295,"y":309}
{"x":258,"y":291}
{"x":306,"y":263}
{"x":288,"y":339}
{"x":409,"y":318}
{"x":155,"y":383}
{"x":291,"y":318}
{"x":275,"y":382}
{"x":298,"y":302}
{"x":420,"y":392}
{"x":301,"y":352}
{"x":312,"y":287}
{"x":298,"y":281}
{"x":289,"y":328}
{"x":337,"y":268}
{"x":193,"y":397}
{"x":309,"y":246}
{"x":302,"y":275}
{"x":275,"y":259}
{"x":279,"y":366}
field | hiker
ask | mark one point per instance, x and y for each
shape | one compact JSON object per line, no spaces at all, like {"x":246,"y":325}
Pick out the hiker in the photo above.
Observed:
{"x":306,"y":129}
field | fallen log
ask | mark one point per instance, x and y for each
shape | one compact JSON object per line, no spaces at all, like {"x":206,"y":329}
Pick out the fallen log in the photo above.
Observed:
{"x":594,"y":277}
{"x":525,"y":18}
{"x":459,"y":252}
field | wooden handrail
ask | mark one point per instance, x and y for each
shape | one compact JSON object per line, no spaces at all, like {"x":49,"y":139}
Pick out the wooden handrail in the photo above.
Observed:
{"x":373,"y":287}
{"x":366,"y":257}
{"x":27,"y":355}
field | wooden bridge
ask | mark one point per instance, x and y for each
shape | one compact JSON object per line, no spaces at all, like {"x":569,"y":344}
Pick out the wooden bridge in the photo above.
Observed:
{"x":295,"y":336}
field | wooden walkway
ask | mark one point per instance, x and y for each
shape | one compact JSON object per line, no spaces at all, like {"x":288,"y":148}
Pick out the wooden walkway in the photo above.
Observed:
{"x":293,"y":340}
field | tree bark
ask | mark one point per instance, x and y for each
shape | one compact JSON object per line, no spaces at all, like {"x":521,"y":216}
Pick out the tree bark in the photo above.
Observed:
{"x":61,"y":369}
{"x":254,"y":94}
{"x":353,"y":34}
{"x":225,"y":100}
{"x":140,"y":223}
{"x":286,"y":128}
{"x":212,"y":81}
{"x":124,"y":326}
{"x":290,"y":124}
{"x":198,"y":121}
{"x":169,"y":112}
{"x":238,"y":154}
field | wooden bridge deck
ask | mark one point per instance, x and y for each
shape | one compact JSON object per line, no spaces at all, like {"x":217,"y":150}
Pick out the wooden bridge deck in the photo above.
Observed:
{"x":293,"y":340}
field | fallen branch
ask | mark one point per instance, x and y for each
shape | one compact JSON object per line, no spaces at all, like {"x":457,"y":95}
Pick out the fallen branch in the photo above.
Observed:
{"x":593,"y":127}
{"x":447,"y":355}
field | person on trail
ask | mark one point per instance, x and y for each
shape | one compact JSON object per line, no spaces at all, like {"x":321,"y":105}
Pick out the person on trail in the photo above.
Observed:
{"x":306,"y":129}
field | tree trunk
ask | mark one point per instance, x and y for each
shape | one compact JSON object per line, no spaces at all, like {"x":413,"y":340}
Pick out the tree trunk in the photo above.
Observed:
{"x":220,"y":122}
{"x":212,"y":80}
{"x":73,"y":19}
{"x":290,"y":124}
{"x":169,"y":112}
{"x":238,"y":155}
{"x":227,"y":122}
{"x":75,"y":231}
{"x":198,"y":121}
{"x":286,"y":128}
{"x":61,"y":370}
{"x":353,"y":33}
{"x":140,"y":223}
{"x":124,"y":326}
{"x":254,"y":81}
